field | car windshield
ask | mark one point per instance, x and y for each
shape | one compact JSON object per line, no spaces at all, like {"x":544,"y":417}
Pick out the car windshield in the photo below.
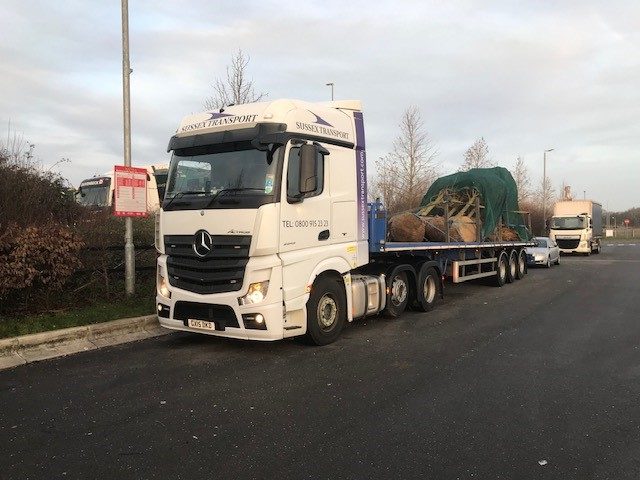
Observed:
{"x":221,"y":176}
{"x":94,"y":192}
{"x":568,"y":223}
{"x":541,"y":242}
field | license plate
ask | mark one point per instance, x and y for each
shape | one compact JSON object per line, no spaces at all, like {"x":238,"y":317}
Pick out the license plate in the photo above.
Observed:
{"x":201,"y":324}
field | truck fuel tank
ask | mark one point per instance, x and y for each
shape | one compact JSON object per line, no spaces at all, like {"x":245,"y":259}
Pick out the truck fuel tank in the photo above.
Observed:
{"x":368,"y":294}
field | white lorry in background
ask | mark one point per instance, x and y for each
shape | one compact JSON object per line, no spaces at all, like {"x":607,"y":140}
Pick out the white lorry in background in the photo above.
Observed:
{"x":97,"y":192}
{"x":265,"y":231}
{"x":576,"y":226}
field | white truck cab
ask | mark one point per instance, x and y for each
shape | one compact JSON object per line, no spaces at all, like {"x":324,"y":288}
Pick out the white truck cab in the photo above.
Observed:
{"x":97,"y":192}
{"x":261,"y":200}
{"x":576,"y":226}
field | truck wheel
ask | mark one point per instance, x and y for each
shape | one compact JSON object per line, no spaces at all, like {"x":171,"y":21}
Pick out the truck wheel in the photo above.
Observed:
{"x":521,"y":269}
{"x":501,"y":269}
{"x":428,"y":290}
{"x":598,"y":248}
{"x":513,"y":267}
{"x":326,"y":311}
{"x":397,"y":294}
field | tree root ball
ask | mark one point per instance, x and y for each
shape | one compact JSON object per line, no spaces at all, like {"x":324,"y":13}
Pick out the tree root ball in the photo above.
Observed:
{"x":406,"y":227}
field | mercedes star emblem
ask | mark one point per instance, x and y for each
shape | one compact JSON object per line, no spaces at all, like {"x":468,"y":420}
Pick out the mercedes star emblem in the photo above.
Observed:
{"x":202,"y":243}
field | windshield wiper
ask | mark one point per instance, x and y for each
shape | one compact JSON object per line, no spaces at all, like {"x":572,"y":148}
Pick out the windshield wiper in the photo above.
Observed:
{"x":228,"y":190}
{"x":182,"y":194}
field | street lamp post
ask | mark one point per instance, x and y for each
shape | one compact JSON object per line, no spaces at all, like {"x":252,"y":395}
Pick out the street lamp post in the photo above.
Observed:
{"x":544,"y":189}
{"x":129,"y":252}
{"x":330,"y":84}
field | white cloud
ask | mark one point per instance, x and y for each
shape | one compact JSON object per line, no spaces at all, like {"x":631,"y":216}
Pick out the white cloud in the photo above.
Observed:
{"x":526,"y":76}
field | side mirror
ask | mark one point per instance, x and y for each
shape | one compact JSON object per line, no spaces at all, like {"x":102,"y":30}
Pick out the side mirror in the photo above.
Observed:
{"x":308,"y":180}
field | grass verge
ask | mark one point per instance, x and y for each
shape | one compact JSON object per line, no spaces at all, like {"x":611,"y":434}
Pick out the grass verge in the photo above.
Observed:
{"x":99,"y":311}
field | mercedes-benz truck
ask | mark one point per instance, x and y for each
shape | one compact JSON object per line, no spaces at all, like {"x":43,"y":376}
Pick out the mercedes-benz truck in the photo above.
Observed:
{"x":265,"y":231}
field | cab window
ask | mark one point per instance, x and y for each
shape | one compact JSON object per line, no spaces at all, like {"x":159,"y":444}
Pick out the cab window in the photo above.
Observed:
{"x":293,"y":175}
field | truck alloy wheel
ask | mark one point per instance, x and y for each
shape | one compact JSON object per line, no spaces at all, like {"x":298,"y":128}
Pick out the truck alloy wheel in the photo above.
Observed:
{"x":512,"y":271}
{"x":501,"y":269}
{"x":397,"y":294}
{"x":428,"y":289}
{"x":327,"y":313}
{"x":521,"y":269}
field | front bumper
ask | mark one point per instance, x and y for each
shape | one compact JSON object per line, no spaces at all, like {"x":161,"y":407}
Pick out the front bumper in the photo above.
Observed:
{"x":531,"y":260}
{"x":225,"y":311}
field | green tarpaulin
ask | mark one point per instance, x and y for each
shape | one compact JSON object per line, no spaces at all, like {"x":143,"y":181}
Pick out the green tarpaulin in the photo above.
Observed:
{"x":498,"y":193}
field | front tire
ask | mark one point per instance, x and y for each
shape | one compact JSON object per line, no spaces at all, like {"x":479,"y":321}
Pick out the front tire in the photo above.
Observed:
{"x":326,"y":311}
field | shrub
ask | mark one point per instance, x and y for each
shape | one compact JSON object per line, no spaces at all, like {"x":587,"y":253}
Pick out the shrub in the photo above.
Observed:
{"x":32,"y":258}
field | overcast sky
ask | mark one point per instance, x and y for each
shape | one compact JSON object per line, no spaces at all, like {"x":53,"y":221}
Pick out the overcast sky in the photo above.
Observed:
{"x":524,"y":75}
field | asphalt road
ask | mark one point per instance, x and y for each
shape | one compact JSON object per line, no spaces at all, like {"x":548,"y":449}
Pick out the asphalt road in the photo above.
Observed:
{"x":536,"y":380}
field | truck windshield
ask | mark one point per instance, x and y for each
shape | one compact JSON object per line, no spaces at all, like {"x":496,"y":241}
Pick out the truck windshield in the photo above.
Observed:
{"x":94,"y":192}
{"x":221,"y":176}
{"x":568,"y":223}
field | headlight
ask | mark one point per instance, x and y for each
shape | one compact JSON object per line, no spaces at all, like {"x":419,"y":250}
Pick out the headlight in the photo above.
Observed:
{"x":257,"y":292}
{"x":163,"y":286}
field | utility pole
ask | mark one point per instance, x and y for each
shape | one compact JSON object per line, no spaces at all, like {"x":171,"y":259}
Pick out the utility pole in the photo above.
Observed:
{"x":330,"y":84}
{"x":544,"y":189}
{"x":129,"y":253}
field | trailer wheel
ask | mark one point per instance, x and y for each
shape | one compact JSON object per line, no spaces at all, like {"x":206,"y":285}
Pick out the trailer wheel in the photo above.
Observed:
{"x":397,"y":294}
{"x":326,"y":311}
{"x":428,"y":289}
{"x":512,"y":272}
{"x":501,"y":269}
{"x":522,"y":265}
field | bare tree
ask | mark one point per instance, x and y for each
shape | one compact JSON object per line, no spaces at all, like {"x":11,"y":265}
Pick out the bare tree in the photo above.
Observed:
{"x":477,"y":156}
{"x":405,"y":174}
{"x":523,"y":181}
{"x":236,"y":88}
{"x":547,"y":196}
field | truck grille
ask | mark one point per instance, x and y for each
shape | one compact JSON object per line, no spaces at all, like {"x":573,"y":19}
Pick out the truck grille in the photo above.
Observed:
{"x":221,"y":270}
{"x":567,"y":244}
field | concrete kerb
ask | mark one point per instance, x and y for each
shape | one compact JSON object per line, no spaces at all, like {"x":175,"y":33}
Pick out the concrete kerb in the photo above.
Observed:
{"x":40,"y":346}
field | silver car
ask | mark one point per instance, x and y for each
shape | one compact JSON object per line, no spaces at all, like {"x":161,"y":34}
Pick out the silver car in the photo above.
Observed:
{"x":546,"y":252}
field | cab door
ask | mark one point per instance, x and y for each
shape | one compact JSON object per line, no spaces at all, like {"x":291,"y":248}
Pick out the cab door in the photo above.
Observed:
{"x":305,"y":217}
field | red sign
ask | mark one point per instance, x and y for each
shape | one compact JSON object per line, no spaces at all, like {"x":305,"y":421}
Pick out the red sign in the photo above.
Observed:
{"x":627,"y":222}
{"x":130,"y":193}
